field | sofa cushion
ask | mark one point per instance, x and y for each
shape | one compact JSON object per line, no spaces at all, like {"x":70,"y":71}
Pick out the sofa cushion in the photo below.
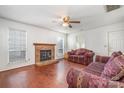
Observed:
{"x":112,"y":68}
{"x":102,"y":59}
{"x":89,"y":54}
{"x":80,"y":52}
{"x":95,"y":68}
{"x":73,"y":52}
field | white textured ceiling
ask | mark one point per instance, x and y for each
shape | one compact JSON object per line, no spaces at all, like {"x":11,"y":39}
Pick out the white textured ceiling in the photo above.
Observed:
{"x":48,"y":16}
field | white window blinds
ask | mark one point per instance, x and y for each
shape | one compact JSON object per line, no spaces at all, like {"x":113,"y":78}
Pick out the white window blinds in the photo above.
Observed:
{"x":17,"y":46}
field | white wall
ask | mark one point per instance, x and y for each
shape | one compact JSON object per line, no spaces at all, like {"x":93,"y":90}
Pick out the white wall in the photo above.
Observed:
{"x":95,"y":39}
{"x":75,"y":40}
{"x":34,"y":35}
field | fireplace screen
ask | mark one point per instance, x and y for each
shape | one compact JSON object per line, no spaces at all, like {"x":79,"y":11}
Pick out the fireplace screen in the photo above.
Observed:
{"x":45,"y":55}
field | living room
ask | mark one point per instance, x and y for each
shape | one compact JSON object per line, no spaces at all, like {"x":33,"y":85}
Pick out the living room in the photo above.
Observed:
{"x":48,"y":46}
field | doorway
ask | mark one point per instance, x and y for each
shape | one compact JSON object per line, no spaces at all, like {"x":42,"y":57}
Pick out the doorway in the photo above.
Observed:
{"x":115,"y":41}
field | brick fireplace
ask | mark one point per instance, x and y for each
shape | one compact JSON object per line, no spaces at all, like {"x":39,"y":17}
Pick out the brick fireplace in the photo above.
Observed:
{"x":44,"y":54}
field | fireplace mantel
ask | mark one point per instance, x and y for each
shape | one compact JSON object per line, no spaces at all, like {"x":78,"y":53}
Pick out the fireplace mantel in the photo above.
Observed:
{"x":44,"y":46}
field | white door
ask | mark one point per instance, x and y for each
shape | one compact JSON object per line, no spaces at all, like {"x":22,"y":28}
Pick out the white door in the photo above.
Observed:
{"x":115,"y":41}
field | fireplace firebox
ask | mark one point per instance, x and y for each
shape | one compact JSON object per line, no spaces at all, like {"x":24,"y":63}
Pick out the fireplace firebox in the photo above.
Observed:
{"x":45,"y":55}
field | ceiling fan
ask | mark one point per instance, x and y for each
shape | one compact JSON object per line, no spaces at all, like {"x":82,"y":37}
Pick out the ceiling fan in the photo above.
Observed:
{"x":67,"y":22}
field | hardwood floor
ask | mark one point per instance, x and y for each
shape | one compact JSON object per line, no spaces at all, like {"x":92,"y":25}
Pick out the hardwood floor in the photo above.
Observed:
{"x":50,"y":76}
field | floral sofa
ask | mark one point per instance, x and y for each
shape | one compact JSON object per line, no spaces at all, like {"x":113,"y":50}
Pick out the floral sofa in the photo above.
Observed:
{"x":105,"y":72}
{"x":82,"y":56}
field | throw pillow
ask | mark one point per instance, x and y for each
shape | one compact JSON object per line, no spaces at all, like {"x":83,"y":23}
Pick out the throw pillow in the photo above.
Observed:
{"x":113,"y":67}
{"x":115,"y":54}
{"x":121,"y":74}
{"x":118,"y":53}
{"x":73,"y":52}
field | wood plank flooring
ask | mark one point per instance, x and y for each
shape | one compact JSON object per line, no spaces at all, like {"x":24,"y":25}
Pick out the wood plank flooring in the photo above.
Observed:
{"x":50,"y":76}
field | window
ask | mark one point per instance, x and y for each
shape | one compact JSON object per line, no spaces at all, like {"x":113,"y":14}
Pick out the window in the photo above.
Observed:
{"x":60,"y":45}
{"x":17,"y":46}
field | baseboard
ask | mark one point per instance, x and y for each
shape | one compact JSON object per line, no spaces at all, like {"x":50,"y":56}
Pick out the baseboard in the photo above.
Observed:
{"x":10,"y":67}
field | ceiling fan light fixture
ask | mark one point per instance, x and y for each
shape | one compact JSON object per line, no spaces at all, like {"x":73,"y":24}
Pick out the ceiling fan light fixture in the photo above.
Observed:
{"x":65,"y":24}
{"x":66,"y":19}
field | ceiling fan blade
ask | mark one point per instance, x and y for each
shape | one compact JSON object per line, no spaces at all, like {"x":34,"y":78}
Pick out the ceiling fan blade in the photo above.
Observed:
{"x":74,"y":21}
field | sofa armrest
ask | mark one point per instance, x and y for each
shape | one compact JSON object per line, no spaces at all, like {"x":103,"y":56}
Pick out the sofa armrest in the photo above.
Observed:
{"x":81,"y":79}
{"x":102,"y":59}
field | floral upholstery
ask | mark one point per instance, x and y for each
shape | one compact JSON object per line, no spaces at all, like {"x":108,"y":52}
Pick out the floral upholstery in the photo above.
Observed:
{"x":110,"y":65}
{"x":82,"y":56}
{"x":95,"y":68}
{"x":113,"y":67}
{"x":83,"y":79}
{"x":115,"y":54}
{"x":102,"y":59}
{"x":118,"y":53}
{"x":90,"y":76}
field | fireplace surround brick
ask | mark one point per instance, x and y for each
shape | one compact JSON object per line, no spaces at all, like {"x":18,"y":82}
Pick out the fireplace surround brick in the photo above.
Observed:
{"x":44,"y":46}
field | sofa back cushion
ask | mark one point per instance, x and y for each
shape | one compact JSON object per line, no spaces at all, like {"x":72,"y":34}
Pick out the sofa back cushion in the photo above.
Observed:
{"x":81,"y":51}
{"x":89,"y":54}
{"x":113,"y":67}
{"x":118,"y":53}
{"x":114,"y":54}
{"x":72,"y":52}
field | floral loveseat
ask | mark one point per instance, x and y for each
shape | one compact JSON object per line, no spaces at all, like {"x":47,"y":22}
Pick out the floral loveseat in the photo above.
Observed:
{"x":105,"y":72}
{"x":82,"y":56}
